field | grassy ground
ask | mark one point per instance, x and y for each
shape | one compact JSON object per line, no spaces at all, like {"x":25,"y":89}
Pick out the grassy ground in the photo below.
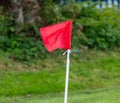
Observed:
{"x":111,"y":95}
{"x":88,"y":70}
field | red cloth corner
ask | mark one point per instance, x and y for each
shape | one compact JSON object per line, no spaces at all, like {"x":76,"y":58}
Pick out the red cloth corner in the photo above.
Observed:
{"x":57,"y":36}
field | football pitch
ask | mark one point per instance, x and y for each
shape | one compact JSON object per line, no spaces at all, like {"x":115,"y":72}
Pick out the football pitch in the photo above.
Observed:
{"x":109,"y":95}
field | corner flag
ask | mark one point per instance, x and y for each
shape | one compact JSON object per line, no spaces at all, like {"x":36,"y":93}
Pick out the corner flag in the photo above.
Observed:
{"x":57,"y":36}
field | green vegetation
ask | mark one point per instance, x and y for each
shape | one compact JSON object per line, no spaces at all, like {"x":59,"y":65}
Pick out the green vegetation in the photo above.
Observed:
{"x":92,"y":28}
{"x":48,"y":75}
{"x":28,"y":73}
{"x":110,"y":95}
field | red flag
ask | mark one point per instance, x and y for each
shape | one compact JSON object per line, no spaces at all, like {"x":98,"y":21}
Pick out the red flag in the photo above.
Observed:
{"x":57,"y":36}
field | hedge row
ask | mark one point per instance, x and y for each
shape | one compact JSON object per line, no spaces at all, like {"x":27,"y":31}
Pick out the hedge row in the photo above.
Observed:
{"x":92,"y":28}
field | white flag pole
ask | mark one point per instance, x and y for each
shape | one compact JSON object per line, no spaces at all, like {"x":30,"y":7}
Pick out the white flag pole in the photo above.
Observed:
{"x":67,"y":76}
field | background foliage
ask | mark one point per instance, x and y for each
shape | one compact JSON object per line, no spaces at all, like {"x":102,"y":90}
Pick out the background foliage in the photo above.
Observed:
{"x":92,"y":28}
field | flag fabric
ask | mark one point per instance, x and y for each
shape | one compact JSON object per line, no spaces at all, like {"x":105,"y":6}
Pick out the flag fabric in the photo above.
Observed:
{"x":57,"y":36}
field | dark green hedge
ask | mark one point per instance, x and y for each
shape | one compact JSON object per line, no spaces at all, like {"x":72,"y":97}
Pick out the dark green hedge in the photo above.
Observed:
{"x":92,"y":28}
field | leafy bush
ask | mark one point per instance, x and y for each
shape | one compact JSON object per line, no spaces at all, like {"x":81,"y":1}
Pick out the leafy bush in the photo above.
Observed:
{"x":21,"y":45}
{"x":103,"y":31}
{"x":92,"y":27}
{"x":100,"y":27}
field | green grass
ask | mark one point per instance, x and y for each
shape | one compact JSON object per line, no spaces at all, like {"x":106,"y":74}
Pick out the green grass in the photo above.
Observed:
{"x":111,"y":95}
{"x":88,"y":70}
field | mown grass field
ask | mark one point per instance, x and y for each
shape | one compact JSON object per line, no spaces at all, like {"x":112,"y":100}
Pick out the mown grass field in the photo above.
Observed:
{"x":110,"y":95}
{"x":31,"y":82}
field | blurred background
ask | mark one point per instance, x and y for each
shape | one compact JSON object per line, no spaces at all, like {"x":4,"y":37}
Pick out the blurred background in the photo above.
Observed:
{"x":95,"y":24}
{"x":28,"y":70}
